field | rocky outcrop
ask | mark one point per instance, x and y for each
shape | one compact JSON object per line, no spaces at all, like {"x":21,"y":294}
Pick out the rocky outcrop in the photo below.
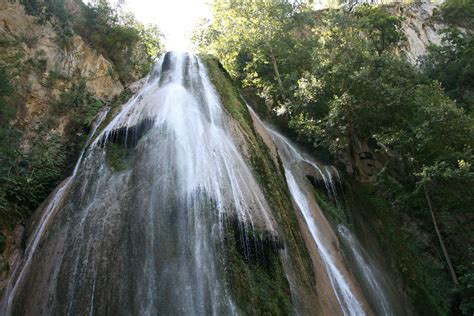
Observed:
{"x":422,"y":25}
{"x":28,"y":41}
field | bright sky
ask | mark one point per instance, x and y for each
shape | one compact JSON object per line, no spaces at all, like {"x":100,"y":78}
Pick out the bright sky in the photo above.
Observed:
{"x":175,"y":18}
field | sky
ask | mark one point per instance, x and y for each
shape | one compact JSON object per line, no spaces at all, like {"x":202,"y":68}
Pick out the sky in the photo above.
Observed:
{"x":175,"y":18}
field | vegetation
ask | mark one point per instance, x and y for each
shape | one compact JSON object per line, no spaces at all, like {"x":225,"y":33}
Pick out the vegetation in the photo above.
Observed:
{"x":28,"y":175}
{"x":127,"y":43}
{"x":459,"y":12}
{"x":79,"y":103}
{"x":55,"y":12}
{"x":118,"y":156}
{"x":336,"y":78}
{"x":35,"y":158}
{"x":121,"y":38}
{"x":254,"y":272}
{"x":452,"y":64}
{"x":6,"y":114}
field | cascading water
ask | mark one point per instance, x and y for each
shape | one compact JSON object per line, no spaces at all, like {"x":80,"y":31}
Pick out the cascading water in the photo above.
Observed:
{"x":343,"y":288}
{"x":343,"y":285}
{"x":138,"y":228}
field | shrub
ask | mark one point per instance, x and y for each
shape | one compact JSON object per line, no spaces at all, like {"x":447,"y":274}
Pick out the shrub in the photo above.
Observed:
{"x":459,"y":12}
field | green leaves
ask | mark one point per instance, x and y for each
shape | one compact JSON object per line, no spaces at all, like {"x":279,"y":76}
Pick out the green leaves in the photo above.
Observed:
{"x":30,"y":177}
{"x":452,"y":64}
{"x":460,"y":12}
{"x":120,"y":38}
{"x":259,"y":42}
{"x":381,"y":28}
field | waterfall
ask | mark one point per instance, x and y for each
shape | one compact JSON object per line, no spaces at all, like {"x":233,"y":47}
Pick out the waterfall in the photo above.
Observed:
{"x":343,"y":286}
{"x":138,"y":228}
{"x":164,"y":209}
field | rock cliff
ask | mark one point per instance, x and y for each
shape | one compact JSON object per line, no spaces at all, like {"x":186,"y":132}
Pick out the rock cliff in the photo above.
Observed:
{"x":25,"y":41}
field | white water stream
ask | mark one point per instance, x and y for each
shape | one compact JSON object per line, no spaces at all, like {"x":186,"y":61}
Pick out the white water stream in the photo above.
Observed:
{"x":343,"y":287}
{"x":139,"y":226}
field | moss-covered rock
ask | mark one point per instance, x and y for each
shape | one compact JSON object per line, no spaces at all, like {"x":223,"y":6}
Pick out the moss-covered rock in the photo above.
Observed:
{"x":118,"y":157}
{"x":265,"y":285}
{"x":254,"y":273}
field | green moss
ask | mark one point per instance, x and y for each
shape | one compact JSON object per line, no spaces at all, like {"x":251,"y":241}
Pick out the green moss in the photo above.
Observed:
{"x":271,"y":179}
{"x":254,"y":272}
{"x":335,"y":212}
{"x":229,"y":94}
{"x":118,"y":156}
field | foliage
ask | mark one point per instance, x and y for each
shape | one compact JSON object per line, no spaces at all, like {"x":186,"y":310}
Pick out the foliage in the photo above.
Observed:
{"x":6,"y":114}
{"x":354,"y":91}
{"x":253,"y":39}
{"x":127,"y":43}
{"x":38,"y":62}
{"x":459,"y":12}
{"x":452,"y":64}
{"x":466,"y":286}
{"x":119,"y":36}
{"x":381,"y":28}
{"x":79,"y":104}
{"x":429,"y":296}
{"x":54,"y":12}
{"x":26,"y":178}
{"x":28,"y":175}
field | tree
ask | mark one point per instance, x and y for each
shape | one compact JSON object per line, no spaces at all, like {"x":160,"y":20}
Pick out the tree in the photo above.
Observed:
{"x":254,"y":37}
{"x":120,"y":38}
{"x":459,"y":12}
{"x":452,"y":64}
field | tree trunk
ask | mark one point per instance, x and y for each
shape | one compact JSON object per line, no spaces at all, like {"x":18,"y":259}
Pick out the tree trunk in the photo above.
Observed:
{"x":275,"y":68}
{"x":445,"y":252}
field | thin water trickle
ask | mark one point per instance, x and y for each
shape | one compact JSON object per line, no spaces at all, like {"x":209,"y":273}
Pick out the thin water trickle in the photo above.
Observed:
{"x":342,"y":287}
{"x":369,"y":272}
